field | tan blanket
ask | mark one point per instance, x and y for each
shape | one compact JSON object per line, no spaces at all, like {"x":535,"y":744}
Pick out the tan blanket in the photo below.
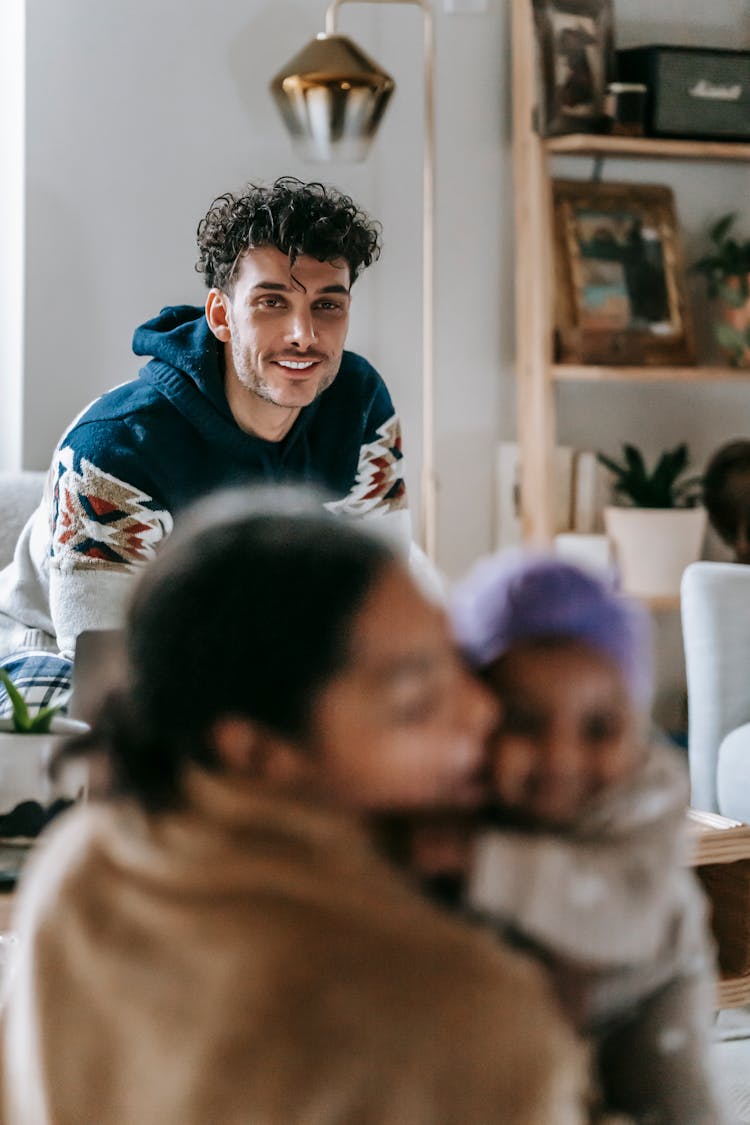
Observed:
{"x":250,"y":960}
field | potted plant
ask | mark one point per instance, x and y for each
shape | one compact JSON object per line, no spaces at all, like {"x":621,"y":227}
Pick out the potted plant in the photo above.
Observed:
{"x":29,"y":797}
{"x":727,"y":273}
{"x":657,"y":528}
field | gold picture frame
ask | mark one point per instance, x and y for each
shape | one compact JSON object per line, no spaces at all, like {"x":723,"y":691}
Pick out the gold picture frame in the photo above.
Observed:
{"x":620,"y":296}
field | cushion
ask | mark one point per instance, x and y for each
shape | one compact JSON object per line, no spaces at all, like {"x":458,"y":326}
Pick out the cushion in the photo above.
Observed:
{"x":20,"y":494}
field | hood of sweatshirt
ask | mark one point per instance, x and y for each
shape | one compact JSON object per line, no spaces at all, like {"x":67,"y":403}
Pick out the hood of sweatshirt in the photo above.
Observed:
{"x":187,"y":368}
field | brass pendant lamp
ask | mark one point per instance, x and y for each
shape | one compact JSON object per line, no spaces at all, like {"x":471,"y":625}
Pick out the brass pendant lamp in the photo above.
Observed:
{"x":332,"y":97}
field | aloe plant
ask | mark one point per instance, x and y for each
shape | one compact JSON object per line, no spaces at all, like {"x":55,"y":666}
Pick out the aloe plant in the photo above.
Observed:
{"x":23,"y":721}
{"x":659,"y":488}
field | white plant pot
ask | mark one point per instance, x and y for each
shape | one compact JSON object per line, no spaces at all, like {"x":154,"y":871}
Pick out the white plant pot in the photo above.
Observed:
{"x":652,"y":547}
{"x":25,"y":781}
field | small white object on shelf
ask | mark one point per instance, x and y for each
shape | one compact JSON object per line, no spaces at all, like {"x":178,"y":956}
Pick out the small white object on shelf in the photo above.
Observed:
{"x":590,"y":552}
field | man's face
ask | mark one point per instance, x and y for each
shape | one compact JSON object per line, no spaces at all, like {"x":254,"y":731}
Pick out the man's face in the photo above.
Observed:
{"x":285,"y":326}
{"x":567,"y":729}
{"x":403,"y":727}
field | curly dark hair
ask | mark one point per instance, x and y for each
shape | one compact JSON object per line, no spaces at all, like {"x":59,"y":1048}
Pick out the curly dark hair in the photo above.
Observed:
{"x":295,"y":217}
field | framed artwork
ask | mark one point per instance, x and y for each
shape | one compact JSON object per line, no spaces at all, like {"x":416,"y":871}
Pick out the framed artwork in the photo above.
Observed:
{"x":576,"y":56}
{"x":620,"y":293}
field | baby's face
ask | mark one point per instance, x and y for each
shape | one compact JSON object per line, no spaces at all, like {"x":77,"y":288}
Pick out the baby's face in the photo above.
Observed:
{"x":568,"y":729}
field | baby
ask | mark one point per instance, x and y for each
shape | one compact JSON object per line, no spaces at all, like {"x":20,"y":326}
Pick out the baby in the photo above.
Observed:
{"x":585,"y":863}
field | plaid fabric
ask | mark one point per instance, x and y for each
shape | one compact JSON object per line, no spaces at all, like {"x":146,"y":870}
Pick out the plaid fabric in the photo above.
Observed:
{"x":43,"y":679}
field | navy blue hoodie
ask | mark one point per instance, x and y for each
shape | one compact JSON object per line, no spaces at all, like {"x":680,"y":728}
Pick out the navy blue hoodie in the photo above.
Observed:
{"x":144,"y":450}
{"x":169,"y":434}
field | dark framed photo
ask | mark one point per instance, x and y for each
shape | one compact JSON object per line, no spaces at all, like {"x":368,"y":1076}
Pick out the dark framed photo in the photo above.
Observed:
{"x":620,"y":294}
{"x":576,"y":54}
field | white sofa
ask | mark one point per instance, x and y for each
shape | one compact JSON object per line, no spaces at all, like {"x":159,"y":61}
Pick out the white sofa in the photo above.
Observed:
{"x":19,"y":495}
{"x":716,"y":634}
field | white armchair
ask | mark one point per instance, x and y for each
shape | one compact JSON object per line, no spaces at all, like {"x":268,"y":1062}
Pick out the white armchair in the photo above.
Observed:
{"x":716,"y":634}
{"x":19,"y":495}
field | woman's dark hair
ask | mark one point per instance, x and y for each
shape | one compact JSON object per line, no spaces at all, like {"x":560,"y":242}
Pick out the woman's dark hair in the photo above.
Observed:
{"x":245,"y":612}
{"x":295,"y":218}
{"x":725,"y":495}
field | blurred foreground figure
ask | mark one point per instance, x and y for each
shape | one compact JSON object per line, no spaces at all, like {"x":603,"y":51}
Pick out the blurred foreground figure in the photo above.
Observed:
{"x":219,"y":942}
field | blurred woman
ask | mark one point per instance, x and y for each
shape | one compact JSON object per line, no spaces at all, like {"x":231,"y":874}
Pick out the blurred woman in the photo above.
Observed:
{"x":219,"y":940}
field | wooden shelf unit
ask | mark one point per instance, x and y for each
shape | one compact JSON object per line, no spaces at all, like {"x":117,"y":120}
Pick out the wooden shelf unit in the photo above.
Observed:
{"x":537,"y":374}
{"x":716,"y":839}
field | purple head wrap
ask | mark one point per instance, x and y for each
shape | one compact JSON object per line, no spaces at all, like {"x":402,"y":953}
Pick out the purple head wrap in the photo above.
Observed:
{"x":512,"y":597}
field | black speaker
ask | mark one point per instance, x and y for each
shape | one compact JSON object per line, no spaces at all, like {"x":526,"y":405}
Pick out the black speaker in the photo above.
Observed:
{"x":693,"y":92}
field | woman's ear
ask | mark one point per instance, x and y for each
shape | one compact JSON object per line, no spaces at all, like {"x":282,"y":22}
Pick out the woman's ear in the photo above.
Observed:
{"x":216,"y":315}
{"x":247,"y":748}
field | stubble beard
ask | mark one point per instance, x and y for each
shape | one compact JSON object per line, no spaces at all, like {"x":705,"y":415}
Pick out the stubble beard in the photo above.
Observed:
{"x":250,"y":378}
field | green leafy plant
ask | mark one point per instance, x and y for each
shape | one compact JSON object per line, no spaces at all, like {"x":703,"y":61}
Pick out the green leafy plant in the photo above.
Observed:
{"x":730,"y":259}
{"x":23,"y":721}
{"x":735,"y":342}
{"x":727,"y":273}
{"x":660,"y":488}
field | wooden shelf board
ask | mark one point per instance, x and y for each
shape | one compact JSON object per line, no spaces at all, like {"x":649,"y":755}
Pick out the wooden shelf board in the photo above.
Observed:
{"x":717,"y":839}
{"x":533,"y":161}
{"x":656,"y":148}
{"x":734,"y":992}
{"x":665,"y":604}
{"x":590,"y":373}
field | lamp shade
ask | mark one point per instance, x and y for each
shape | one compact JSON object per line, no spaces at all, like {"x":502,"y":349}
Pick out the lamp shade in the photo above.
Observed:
{"x":332,"y":97}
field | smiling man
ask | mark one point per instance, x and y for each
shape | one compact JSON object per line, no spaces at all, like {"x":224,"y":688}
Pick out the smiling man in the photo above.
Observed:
{"x":255,"y":386}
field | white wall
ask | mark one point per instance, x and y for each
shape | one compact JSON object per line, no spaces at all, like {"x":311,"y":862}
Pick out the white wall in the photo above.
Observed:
{"x":139,"y":113}
{"x":12,"y":78}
